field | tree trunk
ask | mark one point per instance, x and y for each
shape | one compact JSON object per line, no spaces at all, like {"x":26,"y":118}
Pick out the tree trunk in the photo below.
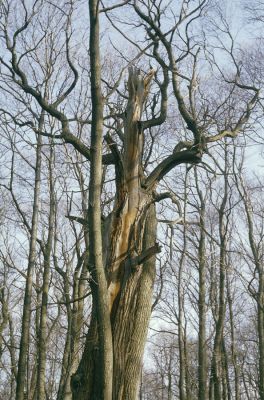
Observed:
{"x":42,"y":336}
{"x":227,"y":392}
{"x":75,"y":320}
{"x":233,"y":343}
{"x":261,"y":332}
{"x":202,"y":356}
{"x":259,"y":296}
{"x":181,"y":335}
{"x":130,"y":244}
{"x":101,"y":366}
{"x":216,"y":368}
{"x":12,"y":351}
{"x":129,"y":334}
{"x":70,"y":359}
{"x":24,"y":342}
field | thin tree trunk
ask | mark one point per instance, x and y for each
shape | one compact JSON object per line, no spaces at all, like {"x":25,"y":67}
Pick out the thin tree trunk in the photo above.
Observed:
{"x":226,"y":381}
{"x":24,"y":341}
{"x":42,"y":336}
{"x":75,"y":319}
{"x":216,"y":373}
{"x":260,"y":308}
{"x":259,"y":267}
{"x":100,"y":325}
{"x":12,"y":351}
{"x":4,"y":317}
{"x":34,"y":369}
{"x":202,"y":356}
{"x":180,"y":318}
{"x":216,"y":368}
{"x":181,"y":341}
{"x":233,"y":342}
{"x":170,"y":394}
{"x":188,"y":380}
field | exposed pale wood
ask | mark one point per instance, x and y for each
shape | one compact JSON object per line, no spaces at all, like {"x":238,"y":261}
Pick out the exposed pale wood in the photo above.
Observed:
{"x":126,"y":251}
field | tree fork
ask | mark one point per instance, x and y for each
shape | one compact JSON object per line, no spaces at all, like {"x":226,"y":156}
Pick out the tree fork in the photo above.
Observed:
{"x":129,"y":256}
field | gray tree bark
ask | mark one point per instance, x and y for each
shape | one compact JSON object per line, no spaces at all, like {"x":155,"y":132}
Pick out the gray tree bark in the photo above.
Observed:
{"x":42,"y":334}
{"x":259,"y":294}
{"x":202,"y":356}
{"x":24,"y":342}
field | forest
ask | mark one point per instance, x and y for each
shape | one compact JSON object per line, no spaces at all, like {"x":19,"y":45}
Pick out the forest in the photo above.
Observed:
{"x":131,"y":200}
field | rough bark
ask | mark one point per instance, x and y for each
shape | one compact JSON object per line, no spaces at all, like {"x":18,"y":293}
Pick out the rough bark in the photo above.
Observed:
{"x":130,"y":235}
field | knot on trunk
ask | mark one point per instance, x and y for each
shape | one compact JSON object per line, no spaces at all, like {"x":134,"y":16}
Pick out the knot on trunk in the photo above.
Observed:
{"x":76,"y":381}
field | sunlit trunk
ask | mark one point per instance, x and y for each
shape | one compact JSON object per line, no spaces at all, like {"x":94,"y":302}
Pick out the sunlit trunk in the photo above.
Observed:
{"x":25,"y":333}
{"x":130,"y":244}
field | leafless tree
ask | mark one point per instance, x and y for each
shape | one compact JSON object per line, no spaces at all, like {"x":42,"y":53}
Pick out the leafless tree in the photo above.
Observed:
{"x":116,"y":130}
